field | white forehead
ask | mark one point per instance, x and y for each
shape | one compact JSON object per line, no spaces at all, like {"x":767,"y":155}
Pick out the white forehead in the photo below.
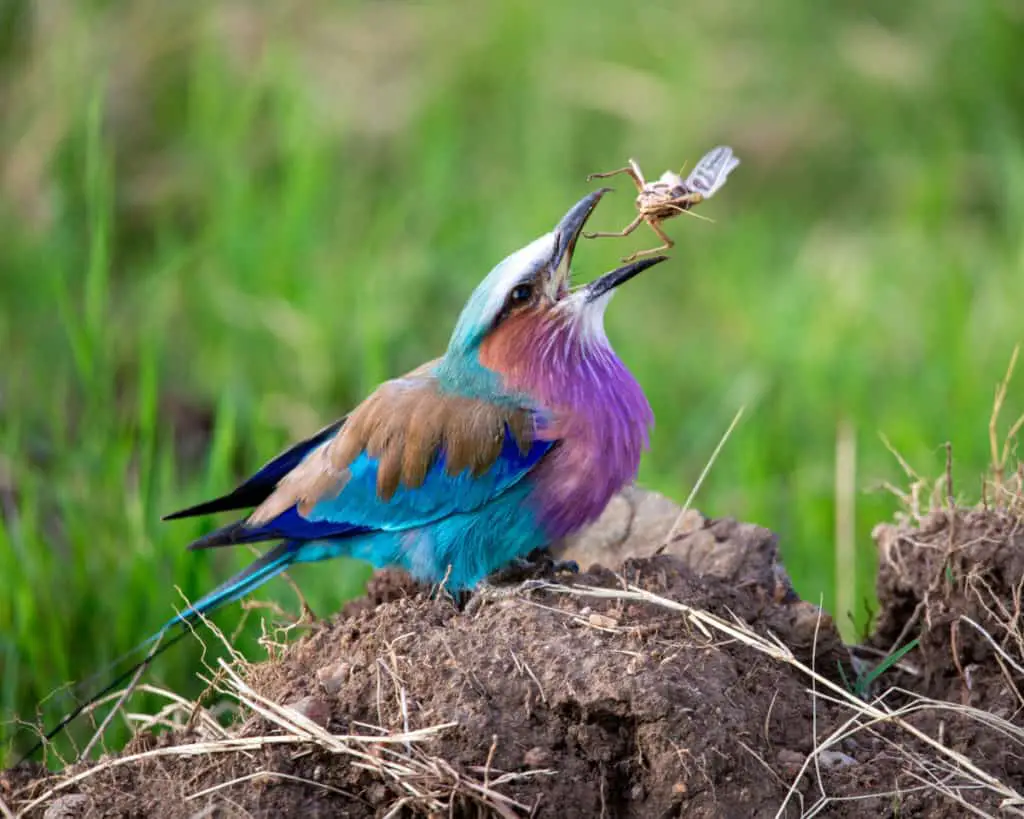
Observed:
{"x":512,"y":270}
{"x":490,"y":295}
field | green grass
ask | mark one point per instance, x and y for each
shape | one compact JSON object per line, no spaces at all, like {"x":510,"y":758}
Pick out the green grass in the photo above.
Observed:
{"x":258,"y":216}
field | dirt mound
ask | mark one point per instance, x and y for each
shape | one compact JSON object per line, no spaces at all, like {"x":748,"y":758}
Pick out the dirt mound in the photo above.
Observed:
{"x":652,"y":691}
{"x":955,"y":581}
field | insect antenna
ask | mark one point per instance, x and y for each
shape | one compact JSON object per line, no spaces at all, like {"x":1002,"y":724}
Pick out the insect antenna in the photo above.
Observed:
{"x":689,"y":212}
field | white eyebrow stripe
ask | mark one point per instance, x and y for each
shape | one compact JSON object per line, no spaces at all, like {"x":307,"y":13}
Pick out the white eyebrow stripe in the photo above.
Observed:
{"x":521,"y":265}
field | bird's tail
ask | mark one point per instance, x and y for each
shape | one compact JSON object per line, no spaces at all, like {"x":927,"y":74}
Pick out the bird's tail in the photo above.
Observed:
{"x":254,"y":575}
{"x":250,"y":578}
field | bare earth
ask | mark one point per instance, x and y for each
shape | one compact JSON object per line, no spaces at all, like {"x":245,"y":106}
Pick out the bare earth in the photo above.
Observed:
{"x":563,"y":703}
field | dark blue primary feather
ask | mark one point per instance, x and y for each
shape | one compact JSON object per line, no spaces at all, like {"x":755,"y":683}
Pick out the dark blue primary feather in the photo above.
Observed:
{"x":257,"y":488}
{"x":288,"y":526}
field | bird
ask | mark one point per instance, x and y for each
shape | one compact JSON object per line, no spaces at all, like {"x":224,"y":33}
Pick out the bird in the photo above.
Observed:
{"x":518,"y":435}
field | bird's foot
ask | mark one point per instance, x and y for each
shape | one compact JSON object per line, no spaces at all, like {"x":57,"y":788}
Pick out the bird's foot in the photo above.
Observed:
{"x":538,"y":565}
{"x":523,"y":574}
{"x":459,"y":599}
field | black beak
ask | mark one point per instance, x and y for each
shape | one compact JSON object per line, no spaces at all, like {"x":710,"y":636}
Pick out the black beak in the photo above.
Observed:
{"x":609,"y":281}
{"x":567,"y":232}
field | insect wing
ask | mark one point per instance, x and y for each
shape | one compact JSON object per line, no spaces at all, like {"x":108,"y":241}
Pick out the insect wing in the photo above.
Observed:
{"x":711,"y":172}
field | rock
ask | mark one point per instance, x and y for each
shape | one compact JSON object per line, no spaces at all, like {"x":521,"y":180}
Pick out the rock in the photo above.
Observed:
{"x":332,"y":677}
{"x":836,"y":759}
{"x":536,"y":757}
{"x":72,"y":806}
{"x":637,"y":521}
{"x":601,"y":620}
{"x":789,"y":758}
{"x":312,"y":708}
{"x":634,"y":524}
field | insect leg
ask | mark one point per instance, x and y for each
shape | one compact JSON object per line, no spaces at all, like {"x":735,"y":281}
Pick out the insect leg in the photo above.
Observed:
{"x":624,"y":232}
{"x":632,"y":171}
{"x":661,"y":235}
{"x":669,"y":244}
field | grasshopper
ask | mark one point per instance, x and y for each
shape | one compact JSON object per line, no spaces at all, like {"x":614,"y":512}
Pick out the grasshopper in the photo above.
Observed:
{"x":671,"y":195}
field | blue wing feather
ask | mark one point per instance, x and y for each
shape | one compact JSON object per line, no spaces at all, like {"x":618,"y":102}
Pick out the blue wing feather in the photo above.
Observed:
{"x":357,"y":509}
{"x":439,"y":496}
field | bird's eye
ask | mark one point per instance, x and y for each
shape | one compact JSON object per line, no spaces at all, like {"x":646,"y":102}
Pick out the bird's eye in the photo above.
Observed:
{"x":520,"y":294}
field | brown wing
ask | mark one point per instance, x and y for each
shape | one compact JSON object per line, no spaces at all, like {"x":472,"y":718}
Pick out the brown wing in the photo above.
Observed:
{"x":402,"y":425}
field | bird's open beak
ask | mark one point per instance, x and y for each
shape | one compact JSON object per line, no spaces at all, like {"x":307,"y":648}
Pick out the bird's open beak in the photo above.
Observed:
{"x":567,"y":232}
{"x":609,"y":281}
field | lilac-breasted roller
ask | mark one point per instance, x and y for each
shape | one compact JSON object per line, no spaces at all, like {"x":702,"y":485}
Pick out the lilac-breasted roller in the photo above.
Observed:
{"x":517,"y":436}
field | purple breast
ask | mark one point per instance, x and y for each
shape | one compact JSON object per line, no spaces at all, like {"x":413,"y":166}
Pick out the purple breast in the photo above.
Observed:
{"x":604,"y":424}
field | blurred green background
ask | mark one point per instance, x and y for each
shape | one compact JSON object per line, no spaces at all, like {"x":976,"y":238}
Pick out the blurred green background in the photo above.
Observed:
{"x":223,"y":223}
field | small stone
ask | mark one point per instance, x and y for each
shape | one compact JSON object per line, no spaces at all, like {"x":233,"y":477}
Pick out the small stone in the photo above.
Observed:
{"x":602,"y":620}
{"x":536,"y":757}
{"x":68,"y":807}
{"x":836,"y":759}
{"x":790,"y":757}
{"x":376,"y":794}
{"x":312,"y":708}
{"x":634,"y":524}
{"x":333,"y":677}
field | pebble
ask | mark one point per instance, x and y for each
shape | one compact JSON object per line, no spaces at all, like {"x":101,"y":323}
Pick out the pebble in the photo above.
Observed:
{"x":312,"y":708}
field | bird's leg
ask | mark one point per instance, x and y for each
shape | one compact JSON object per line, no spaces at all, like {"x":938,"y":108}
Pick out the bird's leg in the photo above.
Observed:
{"x":542,"y":561}
{"x":632,"y":171}
{"x":624,"y":232}
{"x":548,"y":565}
{"x":440,"y":591}
{"x":669,"y":243}
{"x":460,"y":599}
